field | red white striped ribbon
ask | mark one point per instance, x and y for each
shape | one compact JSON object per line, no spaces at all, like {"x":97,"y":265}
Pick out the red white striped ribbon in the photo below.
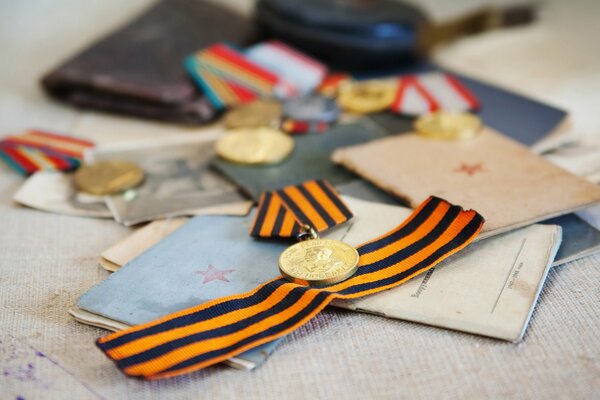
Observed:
{"x":433,"y":91}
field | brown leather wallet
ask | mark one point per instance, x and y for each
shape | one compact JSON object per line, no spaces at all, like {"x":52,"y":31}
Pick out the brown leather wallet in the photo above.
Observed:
{"x":138,"y":70}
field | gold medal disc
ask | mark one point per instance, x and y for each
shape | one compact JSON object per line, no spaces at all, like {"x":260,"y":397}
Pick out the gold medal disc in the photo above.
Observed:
{"x":255,"y":114}
{"x":367,"y":96}
{"x":448,"y":126}
{"x":255,"y":146}
{"x":108,"y":177}
{"x":318,"y":262}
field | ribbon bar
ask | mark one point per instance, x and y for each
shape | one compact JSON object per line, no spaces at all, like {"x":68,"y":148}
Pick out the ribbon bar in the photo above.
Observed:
{"x":282,"y":213}
{"x":204,"y":335}
{"x":34,"y":150}
{"x":227,"y":77}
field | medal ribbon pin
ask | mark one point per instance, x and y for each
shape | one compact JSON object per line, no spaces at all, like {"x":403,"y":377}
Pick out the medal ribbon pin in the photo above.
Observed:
{"x":212,"y":332}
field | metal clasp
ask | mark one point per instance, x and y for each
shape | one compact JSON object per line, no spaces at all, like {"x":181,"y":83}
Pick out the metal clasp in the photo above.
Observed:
{"x":307,"y":233}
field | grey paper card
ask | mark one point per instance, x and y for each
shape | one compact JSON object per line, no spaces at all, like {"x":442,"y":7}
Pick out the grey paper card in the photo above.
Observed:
{"x":310,"y":160}
{"x":178,"y":180}
{"x":580,"y":239}
{"x":591,"y":216}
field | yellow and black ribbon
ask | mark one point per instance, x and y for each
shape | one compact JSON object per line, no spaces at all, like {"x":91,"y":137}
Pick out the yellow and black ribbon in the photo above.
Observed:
{"x":215,"y":331}
{"x":282,"y":213}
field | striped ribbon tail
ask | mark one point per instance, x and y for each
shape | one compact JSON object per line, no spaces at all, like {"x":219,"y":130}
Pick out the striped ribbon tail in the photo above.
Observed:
{"x":282,"y":213}
{"x":212,"y":332}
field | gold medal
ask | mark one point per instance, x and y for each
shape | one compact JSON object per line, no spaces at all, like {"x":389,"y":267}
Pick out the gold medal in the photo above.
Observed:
{"x":255,"y":114}
{"x":255,"y":146}
{"x":108,"y":177}
{"x":448,"y":126}
{"x":318,"y":262}
{"x":367,"y":96}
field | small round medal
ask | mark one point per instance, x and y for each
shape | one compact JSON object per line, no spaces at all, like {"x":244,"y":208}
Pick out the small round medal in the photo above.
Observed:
{"x":255,"y":146}
{"x":318,"y":262}
{"x":311,"y":108}
{"x":254,"y":114}
{"x":448,"y":126}
{"x":108,"y":177}
{"x":367,"y":96}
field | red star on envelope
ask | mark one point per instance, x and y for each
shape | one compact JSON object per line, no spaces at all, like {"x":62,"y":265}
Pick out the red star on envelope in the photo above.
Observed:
{"x":215,"y":274}
{"x":470,"y":169}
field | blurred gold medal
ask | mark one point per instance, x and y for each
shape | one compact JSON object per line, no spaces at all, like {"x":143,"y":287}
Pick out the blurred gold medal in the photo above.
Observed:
{"x":108,"y":177}
{"x":255,"y":146}
{"x":253,"y":115}
{"x":367,"y":96}
{"x":448,"y":126}
{"x":318,"y":262}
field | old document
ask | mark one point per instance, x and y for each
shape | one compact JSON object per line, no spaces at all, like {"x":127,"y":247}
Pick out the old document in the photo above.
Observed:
{"x":178,"y":180}
{"x":504,"y":181}
{"x":489,"y":289}
{"x":54,"y":192}
{"x":139,"y":241}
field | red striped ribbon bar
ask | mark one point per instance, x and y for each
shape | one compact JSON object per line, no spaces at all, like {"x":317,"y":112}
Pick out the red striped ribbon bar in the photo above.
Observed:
{"x":433,"y":91}
{"x":204,"y":335}
{"x":28,"y":160}
{"x":298,"y":73}
{"x":282,"y":213}
{"x":227,"y":77}
{"x":61,"y":144}
{"x":36,"y":150}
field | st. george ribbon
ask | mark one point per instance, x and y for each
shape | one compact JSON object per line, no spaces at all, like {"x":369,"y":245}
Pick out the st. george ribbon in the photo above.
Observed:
{"x":283,"y":213}
{"x":212,"y":332}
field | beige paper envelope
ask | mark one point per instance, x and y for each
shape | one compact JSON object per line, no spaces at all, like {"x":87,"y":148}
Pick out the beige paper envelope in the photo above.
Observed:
{"x":139,"y":241}
{"x":504,"y":181}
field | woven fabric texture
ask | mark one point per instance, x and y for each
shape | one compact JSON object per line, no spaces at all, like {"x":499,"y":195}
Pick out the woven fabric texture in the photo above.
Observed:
{"x":47,"y":261}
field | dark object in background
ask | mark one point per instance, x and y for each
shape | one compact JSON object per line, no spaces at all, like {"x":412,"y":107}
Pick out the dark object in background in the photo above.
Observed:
{"x":366,"y":34}
{"x":137,"y":70}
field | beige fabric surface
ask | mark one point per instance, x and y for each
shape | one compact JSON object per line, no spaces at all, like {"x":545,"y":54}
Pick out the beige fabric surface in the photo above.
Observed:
{"x":47,"y":261}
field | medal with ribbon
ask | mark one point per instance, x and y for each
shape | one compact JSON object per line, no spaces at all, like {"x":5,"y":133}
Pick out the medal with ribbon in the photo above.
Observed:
{"x":303,"y":211}
{"x":212,"y":332}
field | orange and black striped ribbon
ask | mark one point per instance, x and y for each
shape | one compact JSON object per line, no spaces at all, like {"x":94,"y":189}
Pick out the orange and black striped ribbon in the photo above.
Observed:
{"x":215,"y":331}
{"x":282,"y":213}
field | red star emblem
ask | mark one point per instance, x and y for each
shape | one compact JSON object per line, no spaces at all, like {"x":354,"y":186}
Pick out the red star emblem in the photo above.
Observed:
{"x":214,"y":274}
{"x":470,"y":169}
